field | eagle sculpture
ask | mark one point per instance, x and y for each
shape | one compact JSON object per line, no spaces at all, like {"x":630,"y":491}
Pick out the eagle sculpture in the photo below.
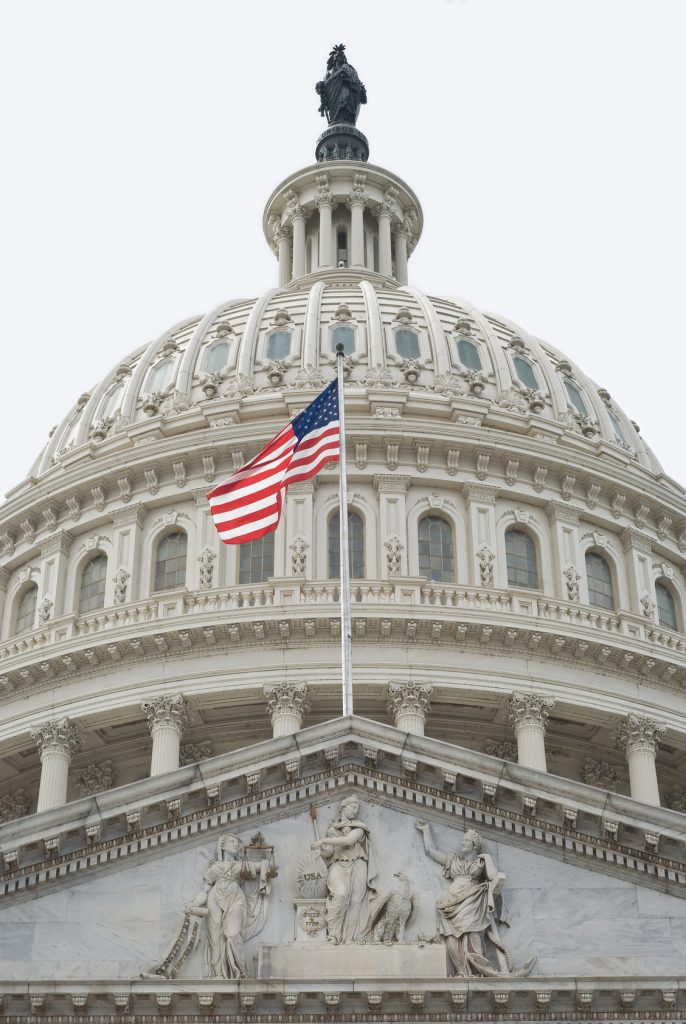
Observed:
{"x":391,"y":913}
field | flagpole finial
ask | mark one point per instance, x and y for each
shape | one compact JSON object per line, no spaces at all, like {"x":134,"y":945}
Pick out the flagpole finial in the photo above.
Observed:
{"x":340,"y":349}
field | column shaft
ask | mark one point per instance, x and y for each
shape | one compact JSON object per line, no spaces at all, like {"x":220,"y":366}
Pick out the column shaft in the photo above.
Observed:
{"x":643,"y":776}
{"x":54,"y":776}
{"x":401,"y":257}
{"x":357,"y":234}
{"x":325,"y":235}
{"x":284,"y":258}
{"x":166,"y":743}
{"x":531,"y":746}
{"x":408,"y":721}
{"x":385,"y":258}
{"x":299,"y":269}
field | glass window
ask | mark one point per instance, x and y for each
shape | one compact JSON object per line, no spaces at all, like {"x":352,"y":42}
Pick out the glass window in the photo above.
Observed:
{"x":575,"y":398}
{"x":257,"y":560}
{"x":113,"y":402}
{"x":159,"y":378}
{"x":436,"y":559}
{"x":525,"y":372}
{"x":342,"y":248}
{"x":468,"y":354}
{"x":599,"y":579}
{"x":355,"y":546}
{"x":93,"y":578}
{"x":616,"y":426}
{"x":216,"y":357}
{"x":170,"y":564}
{"x":26,"y":611}
{"x":407,"y":344}
{"x":279,"y":345}
{"x":344,"y":336}
{"x":520,"y":552}
{"x":666,"y":606}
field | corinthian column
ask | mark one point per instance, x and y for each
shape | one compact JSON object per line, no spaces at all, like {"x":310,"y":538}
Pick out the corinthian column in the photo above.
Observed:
{"x":402,"y":233}
{"x":529,"y":713}
{"x":325,"y":204}
{"x":638,"y":738}
{"x":167,"y":718}
{"x":409,"y":704}
{"x":286,"y":704}
{"x":282,"y":235}
{"x":357,"y":201}
{"x":57,"y":741}
{"x":383,"y":212}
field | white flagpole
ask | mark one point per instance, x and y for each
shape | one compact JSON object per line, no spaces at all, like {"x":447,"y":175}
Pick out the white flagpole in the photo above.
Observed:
{"x":346,"y":627}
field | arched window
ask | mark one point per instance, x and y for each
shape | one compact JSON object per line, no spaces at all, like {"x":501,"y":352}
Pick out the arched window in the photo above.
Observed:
{"x":26,"y":610}
{"x":279,"y":345}
{"x":520,"y":552}
{"x":256,"y":560}
{"x":436,"y":558}
{"x":342,"y":248}
{"x":616,"y":426}
{"x":468,"y":353}
{"x":216,"y":357}
{"x":407,"y":344}
{"x":113,"y":402}
{"x":93,"y":577}
{"x":525,"y":372}
{"x":170,"y":562}
{"x":666,"y":606}
{"x":355,"y":546}
{"x":159,"y":378}
{"x":344,"y":336}
{"x":575,"y":398}
{"x":599,"y":580}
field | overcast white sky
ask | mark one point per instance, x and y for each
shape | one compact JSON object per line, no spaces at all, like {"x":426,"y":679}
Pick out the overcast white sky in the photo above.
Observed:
{"x":545,"y":139}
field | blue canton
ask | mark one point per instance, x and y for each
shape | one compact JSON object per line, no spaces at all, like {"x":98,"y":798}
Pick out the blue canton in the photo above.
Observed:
{"x":322,"y":411}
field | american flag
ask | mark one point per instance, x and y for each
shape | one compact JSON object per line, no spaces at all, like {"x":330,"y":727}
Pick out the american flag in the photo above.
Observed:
{"x":249,"y":504}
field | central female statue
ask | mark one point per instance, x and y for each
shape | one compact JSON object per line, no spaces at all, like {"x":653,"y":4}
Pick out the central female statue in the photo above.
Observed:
{"x":347,"y":851}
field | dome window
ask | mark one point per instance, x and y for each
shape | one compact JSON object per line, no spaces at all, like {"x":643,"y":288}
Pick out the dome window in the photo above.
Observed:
{"x":436,"y":558}
{"x":407,"y":343}
{"x":525,"y":372}
{"x":355,"y":546}
{"x":616,"y":426}
{"x":170,"y":563}
{"x":93,"y":578}
{"x":113,"y":402}
{"x":257,"y":560}
{"x":666,"y":606}
{"x":279,"y":345}
{"x":574,"y":396}
{"x":468,"y":353}
{"x":599,"y":580}
{"x":26,"y":610}
{"x":216,"y":357}
{"x":160,"y":375}
{"x":520,"y":553}
{"x":344,"y":336}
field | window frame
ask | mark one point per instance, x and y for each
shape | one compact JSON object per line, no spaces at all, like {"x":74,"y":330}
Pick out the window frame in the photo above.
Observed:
{"x":155,"y":560}
{"x":30,"y":588}
{"x":517,"y":528}
{"x":347,"y":326}
{"x":84,"y":568}
{"x":265,"y":541}
{"x":518,"y":357}
{"x":664,"y":584}
{"x":352,"y":549}
{"x":592,"y":553}
{"x":568,"y":384}
{"x":209,"y":350}
{"x":424,"y":518}
{"x":167,"y":360}
{"x":467,"y":339}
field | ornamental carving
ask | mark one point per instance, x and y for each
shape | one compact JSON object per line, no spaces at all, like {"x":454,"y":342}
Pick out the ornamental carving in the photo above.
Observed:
{"x":506,"y":751}
{"x":411,"y":370}
{"x":636,"y":733}
{"x":96,"y":778}
{"x":59,"y":736}
{"x":13,"y":805}
{"x":308,"y":377}
{"x":512,"y":401}
{"x":529,"y":709}
{"x":211,"y":382}
{"x":287,"y":699}
{"x":299,"y":556}
{"x":448,"y":384}
{"x":206,"y":558}
{"x":379,"y":377}
{"x":167,"y":712}
{"x":191,"y":753}
{"x":121,"y":581}
{"x":486,"y":559}
{"x":601,"y":775}
{"x":312,"y":916}
{"x":44,"y":609}
{"x":476,"y":380}
{"x":409,"y":699}
{"x":647,"y":606}
{"x":394,"y":550}
{"x":242,"y":387}
{"x":676,"y":799}
{"x":572,"y":578}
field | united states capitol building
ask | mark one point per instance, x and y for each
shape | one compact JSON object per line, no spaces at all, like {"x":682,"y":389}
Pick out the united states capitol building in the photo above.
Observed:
{"x":189,"y":830}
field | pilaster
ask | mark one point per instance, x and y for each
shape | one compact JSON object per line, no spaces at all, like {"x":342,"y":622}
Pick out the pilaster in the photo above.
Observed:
{"x":127,"y":545}
{"x":54,"y":552}
{"x":484,"y":570}
{"x":564,"y":532}
{"x":392,"y":491}
{"x":638,"y":552}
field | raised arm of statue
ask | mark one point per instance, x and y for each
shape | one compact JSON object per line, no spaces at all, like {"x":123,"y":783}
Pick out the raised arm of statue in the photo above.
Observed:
{"x":431,"y":851}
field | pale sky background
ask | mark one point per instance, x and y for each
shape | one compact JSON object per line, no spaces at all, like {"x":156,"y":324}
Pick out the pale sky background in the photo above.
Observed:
{"x":544,"y":138}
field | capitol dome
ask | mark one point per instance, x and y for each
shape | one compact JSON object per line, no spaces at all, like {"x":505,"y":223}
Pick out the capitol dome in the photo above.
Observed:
{"x":517,"y":556}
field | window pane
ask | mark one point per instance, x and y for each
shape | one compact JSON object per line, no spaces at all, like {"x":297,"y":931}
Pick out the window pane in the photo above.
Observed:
{"x":525,"y":372}
{"x":113,"y":402}
{"x":575,"y":397}
{"x":599,"y":580}
{"x":257,"y":560}
{"x":170,"y":565}
{"x":93,"y":579}
{"x":468,"y":354}
{"x":216,"y":357}
{"x":26,"y":612}
{"x":355,"y":546}
{"x":666,"y":608}
{"x":159,"y":378}
{"x":344,"y":336}
{"x":279,"y":345}
{"x":616,"y":426}
{"x":520,"y":552}
{"x":342,"y":248}
{"x":407,"y":344}
{"x":436,"y":560}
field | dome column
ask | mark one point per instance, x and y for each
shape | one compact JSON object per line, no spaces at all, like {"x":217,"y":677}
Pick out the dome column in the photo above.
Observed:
{"x":383,"y":213}
{"x":282,"y":237}
{"x":357,"y":200}
{"x":167,"y":718}
{"x":296,"y":215}
{"x":529,"y":713}
{"x":286,"y":705}
{"x":325,"y":204}
{"x":401,"y":236}
{"x":639,"y":737}
{"x":57,"y":741}
{"x":409,"y":704}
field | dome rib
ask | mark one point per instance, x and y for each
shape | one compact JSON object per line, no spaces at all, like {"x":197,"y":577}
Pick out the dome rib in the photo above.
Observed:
{"x":246,"y":356}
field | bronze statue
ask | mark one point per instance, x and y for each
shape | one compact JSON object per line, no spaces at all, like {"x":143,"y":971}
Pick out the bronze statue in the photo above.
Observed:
{"x":341,"y":91}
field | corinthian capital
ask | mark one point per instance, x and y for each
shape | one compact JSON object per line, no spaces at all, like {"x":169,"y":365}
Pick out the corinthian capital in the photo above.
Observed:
{"x":167,"y":712}
{"x":409,"y":699}
{"x":529,"y":709}
{"x":636,"y":733}
{"x":287,"y":699}
{"x":60,"y":736}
